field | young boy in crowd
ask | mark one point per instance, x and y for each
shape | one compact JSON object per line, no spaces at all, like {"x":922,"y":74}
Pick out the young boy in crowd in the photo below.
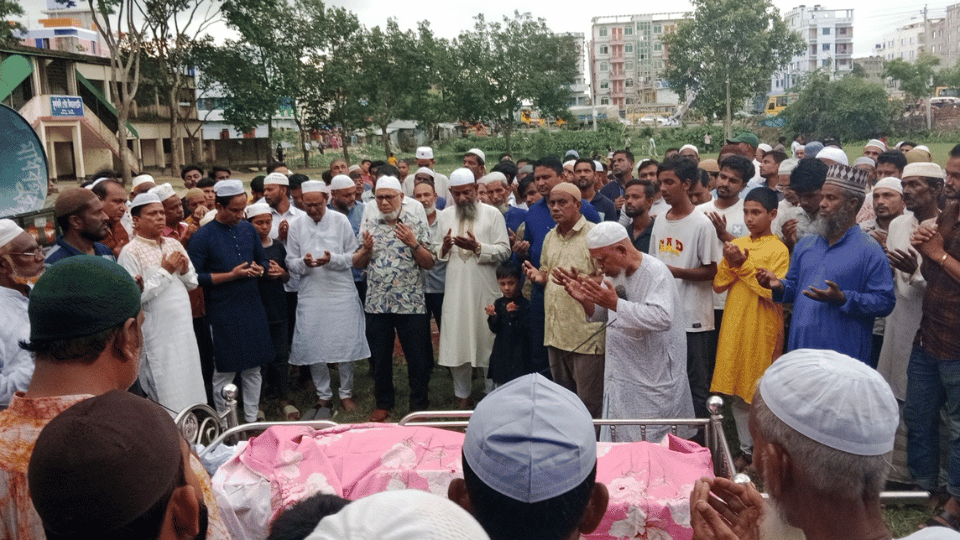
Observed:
{"x":275,"y":303}
{"x":751,"y":335}
{"x":508,"y":318}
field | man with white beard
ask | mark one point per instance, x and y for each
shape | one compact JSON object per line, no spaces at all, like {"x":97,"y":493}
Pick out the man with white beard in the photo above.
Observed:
{"x":474,"y":241}
{"x":21,"y":265}
{"x":498,"y":193}
{"x":842,"y":272}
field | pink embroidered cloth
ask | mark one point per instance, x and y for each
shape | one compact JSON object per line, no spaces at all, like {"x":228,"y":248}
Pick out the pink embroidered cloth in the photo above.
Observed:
{"x":649,"y":483}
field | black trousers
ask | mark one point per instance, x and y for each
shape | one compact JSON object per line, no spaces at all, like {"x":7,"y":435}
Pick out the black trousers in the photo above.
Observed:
{"x":414,"y":333}
{"x":201,"y":328}
{"x":434,"y":306}
{"x":698,"y":349}
{"x":275,"y":374}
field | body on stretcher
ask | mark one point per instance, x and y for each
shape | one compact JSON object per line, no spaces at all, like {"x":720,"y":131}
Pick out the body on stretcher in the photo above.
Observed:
{"x":649,"y":483}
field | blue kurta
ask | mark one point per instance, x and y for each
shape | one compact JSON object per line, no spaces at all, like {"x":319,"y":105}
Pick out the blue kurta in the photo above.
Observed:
{"x":241,"y":335}
{"x":858,"y":265}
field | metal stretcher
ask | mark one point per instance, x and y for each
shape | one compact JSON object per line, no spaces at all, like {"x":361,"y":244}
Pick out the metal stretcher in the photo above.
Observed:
{"x":200,"y":424}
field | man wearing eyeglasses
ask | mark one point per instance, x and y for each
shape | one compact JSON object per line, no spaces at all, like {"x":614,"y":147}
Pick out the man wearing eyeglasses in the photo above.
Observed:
{"x":393,"y":252}
{"x":21,"y":264}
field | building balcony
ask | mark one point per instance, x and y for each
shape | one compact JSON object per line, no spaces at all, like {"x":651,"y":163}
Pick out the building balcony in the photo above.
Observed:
{"x":618,"y":75}
{"x":616,"y":39}
{"x":617,"y":94}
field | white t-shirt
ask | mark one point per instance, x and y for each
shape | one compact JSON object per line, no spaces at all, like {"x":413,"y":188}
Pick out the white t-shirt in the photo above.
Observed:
{"x":690,"y":242}
{"x":735,"y":226}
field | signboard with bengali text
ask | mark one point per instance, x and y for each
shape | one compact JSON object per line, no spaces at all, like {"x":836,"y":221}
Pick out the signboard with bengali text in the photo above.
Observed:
{"x":66,"y":106}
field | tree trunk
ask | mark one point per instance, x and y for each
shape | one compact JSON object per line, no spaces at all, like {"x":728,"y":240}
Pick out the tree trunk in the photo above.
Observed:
{"x":306,"y":153}
{"x":386,"y":140}
{"x":176,"y":143}
{"x":123,"y":112}
{"x":727,"y":118}
{"x":270,"y":156}
{"x":344,"y":141}
{"x":507,"y":131}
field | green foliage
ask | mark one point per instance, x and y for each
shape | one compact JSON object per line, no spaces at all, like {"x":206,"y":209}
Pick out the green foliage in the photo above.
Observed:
{"x":727,"y":53}
{"x":394,"y":72}
{"x":915,"y":78}
{"x":495,"y":67}
{"x":850,"y":108}
{"x":9,"y":9}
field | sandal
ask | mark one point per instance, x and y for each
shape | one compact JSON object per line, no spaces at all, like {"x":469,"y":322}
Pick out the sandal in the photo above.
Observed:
{"x":944,"y":519}
{"x":290,"y":412}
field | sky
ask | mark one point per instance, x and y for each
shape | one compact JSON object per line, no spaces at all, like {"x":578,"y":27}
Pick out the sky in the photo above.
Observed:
{"x":872,"y":18}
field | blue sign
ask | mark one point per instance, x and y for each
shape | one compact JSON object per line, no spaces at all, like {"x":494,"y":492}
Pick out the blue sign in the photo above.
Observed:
{"x":66,"y":106}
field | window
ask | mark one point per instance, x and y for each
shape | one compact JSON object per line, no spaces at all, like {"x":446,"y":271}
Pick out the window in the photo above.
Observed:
{"x":658,"y":46}
{"x":628,"y":48}
{"x":604,"y":84}
{"x":629,"y":82}
{"x":629,"y":101}
{"x":628,"y":66}
{"x":826,"y":46}
{"x":604,"y":101}
{"x":657,"y":29}
{"x":826,"y":63}
{"x":603,"y":32}
{"x":603,"y":66}
{"x":628,"y":31}
{"x":604,"y":49}
{"x":826,"y":31}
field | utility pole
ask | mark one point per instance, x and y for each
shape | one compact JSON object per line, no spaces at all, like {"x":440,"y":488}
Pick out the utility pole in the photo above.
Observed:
{"x":926,"y":43}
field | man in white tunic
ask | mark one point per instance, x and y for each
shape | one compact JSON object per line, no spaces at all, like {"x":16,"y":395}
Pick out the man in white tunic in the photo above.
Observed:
{"x":21,"y":265}
{"x":921,"y":185}
{"x":330,"y":327}
{"x":170,"y":362}
{"x":474,"y":241}
{"x":645,"y":375}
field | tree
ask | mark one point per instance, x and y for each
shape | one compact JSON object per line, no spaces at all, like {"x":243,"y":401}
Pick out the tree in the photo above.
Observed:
{"x":176,"y":27}
{"x":263,"y":69}
{"x":122,"y":26}
{"x":394,"y":73}
{"x":499,"y":66}
{"x":850,"y":108}
{"x":727,"y":53}
{"x":10,"y":30}
{"x":332,"y":92}
{"x":916,"y":79}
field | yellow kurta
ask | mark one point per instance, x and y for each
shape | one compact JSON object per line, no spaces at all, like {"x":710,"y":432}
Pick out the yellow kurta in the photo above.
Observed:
{"x":751,"y":336}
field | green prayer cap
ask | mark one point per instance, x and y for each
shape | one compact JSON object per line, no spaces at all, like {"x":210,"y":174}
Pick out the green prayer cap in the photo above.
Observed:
{"x":81,"y":296}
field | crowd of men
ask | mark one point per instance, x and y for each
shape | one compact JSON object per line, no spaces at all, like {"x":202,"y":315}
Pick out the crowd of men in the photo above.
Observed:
{"x":640,"y":295}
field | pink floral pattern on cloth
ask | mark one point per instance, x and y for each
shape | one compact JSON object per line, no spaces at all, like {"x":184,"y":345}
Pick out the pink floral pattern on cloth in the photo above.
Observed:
{"x":649,"y":484}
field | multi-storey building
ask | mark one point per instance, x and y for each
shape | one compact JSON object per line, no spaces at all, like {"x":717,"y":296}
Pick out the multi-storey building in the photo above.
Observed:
{"x":828,"y":35}
{"x":627,"y":58}
{"x":907,"y":42}
{"x":579,"y":90}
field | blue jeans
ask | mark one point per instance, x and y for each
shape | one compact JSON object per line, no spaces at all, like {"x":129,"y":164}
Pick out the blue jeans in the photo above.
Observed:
{"x":931,"y":384}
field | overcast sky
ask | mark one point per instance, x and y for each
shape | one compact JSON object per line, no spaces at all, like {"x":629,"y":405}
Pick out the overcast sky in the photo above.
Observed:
{"x":872,"y":18}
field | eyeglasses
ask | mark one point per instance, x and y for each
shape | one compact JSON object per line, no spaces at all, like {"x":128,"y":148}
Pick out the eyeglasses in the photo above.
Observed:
{"x":386,"y":197}
{"x":32,"y":253}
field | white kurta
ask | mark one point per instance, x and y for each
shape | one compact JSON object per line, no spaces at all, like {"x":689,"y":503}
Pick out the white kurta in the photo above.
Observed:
{"x":645,"y":374}
{"x":170,"y":363}
{"x":471,"y":285}
{"x":330,"y":322}
{"x":903,"y":322}
{"x":16,"y":364}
